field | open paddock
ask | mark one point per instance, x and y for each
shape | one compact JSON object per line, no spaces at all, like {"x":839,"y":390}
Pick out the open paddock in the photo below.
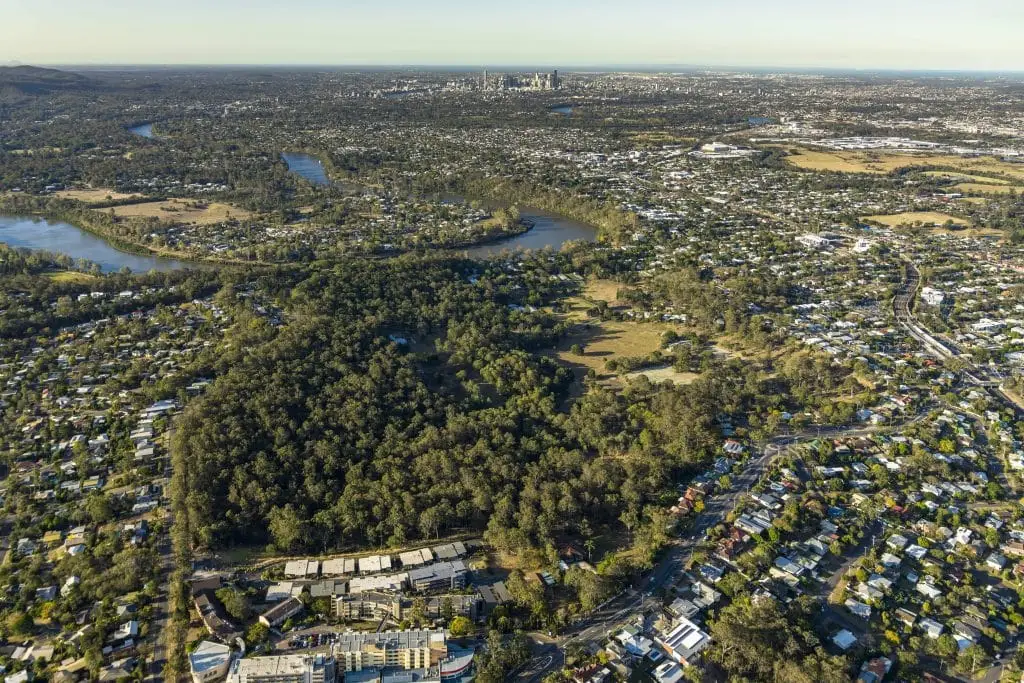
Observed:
{"x":603,"y":290}
{"x":878,"y":162}
{"x":72,"y":277}
{"x":935,"y":222}
{"x":181,"y":211}
{"x":609,"y":339}
{"x":95,"y":196}
{"x":985,"y":188}
{"x":926,"y":218}
{"x":967,"y":177}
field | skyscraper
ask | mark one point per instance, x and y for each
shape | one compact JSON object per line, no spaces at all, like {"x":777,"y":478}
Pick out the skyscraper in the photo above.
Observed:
{"x":484,"y":85}
{"x":554,"y":80}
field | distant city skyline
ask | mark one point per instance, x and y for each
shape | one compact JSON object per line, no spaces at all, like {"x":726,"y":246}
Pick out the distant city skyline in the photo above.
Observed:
{"x":940,"y":35}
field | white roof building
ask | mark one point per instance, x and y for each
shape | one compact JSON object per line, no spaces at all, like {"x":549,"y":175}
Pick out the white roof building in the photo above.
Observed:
{"x":374,"y":564}
{"x":844,"y":640}
{"x":684,"y":641}
{"x":209,"y":661}
{"x":668,"y":672}
{"x":302,"y":568}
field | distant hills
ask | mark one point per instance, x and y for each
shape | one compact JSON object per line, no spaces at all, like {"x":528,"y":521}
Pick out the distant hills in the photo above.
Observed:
{"x":34,"y":80}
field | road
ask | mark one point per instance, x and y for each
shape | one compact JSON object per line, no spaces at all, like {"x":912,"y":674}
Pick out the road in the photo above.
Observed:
{"x":161,"y":612}
{"x":631,"y":602}
{"x":984,"y":379}
{"x":851,"y":557}
{"x":161,"y":608}
{"x":638,"y":598}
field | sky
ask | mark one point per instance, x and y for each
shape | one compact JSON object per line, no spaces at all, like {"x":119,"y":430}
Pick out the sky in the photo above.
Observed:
{"x":869,"y":34}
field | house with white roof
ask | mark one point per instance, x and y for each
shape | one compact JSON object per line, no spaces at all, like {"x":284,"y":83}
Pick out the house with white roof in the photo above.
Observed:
{"x":684,"y":642}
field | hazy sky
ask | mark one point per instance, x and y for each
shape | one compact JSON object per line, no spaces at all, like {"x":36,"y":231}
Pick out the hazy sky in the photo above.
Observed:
{"x":919,"y":34}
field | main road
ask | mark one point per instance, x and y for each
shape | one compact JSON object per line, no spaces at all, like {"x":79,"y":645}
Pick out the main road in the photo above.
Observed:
{"x":984,"y":379}
{"x":549,"y":654}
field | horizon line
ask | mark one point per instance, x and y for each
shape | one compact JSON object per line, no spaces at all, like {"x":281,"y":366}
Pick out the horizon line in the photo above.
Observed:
{"x":569,"y":68}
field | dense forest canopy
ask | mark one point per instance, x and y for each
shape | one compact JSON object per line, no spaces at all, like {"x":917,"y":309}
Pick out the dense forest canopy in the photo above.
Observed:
{"x":403,"y":401}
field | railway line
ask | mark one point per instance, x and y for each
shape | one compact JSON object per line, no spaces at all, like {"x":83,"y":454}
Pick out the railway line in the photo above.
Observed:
{"x":942,"y":349}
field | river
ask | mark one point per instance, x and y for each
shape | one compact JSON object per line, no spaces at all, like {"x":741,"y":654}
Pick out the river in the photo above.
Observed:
{"x":547,"y":231}
{"x":145,"y":130}
{"x":64,"y":238}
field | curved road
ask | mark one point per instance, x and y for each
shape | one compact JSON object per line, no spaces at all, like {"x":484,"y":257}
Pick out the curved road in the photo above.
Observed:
{"x":549,"y":657}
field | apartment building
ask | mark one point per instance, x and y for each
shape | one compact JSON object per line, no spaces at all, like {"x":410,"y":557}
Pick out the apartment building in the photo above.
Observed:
{"x":377,"y":605}
{"x":439,"y":576}
{"x":284,"y":669}
{"x":390,"y":649}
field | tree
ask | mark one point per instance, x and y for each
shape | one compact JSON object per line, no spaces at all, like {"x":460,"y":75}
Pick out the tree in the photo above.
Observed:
{"x":447,"y":608}
{"x":257,"y":634}
{"x":460,"y":626}
{"x":97,"y":506}
{"x":285,"y":527}
{"x":418,"y":613}
{"x":591,"y":589}
{"x":760,"y":641}
{"x":946,"y":646}
{"x":235,"y":603}
{"x":20,"y":623}
{"x":972,"y":658}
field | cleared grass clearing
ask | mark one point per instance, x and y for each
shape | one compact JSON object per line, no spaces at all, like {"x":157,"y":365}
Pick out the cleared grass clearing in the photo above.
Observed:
{"x":606,"y":340}
{"x":984,"y":180}
{"x":850,"y":162}
{"x":72,"y":277}
{"x":181,"y":211}
{"x":928,"y":218}
{"x":603,"y":290}
{"x":986,"y":166}
{"x":95,"y":196}
{"x":985,"y":188}
{"x":609,"y":339}
{"x":934,"y":222}
{"x":879,"y":162}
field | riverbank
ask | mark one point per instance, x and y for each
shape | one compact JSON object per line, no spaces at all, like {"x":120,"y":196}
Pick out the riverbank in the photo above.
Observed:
{"x":533,"y":229}
{"x":129,"y":249}
{"x":588,"y":215}
{"x":82,"y":220}
{"x":611,"y":223}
